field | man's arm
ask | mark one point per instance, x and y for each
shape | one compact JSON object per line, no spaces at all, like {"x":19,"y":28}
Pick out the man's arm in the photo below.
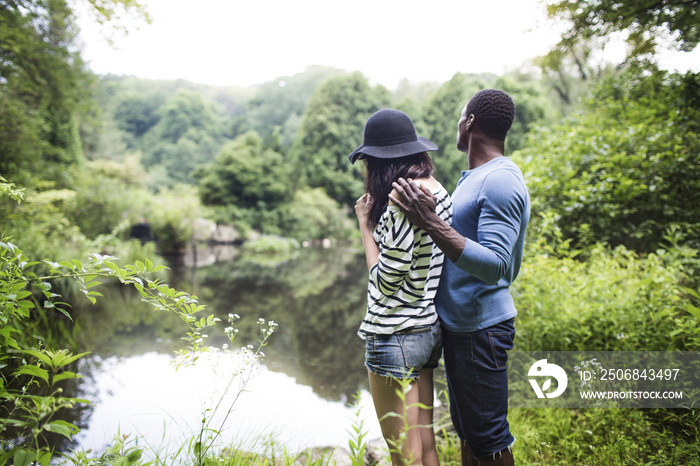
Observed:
{"x":499,"y":226}
{"x":418,"y":204}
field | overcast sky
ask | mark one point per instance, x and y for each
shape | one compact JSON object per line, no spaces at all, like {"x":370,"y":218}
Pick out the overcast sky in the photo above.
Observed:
{"x":234,"y":42}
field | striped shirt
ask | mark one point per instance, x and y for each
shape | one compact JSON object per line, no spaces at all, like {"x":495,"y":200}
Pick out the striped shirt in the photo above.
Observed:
{"x":403,"y":283}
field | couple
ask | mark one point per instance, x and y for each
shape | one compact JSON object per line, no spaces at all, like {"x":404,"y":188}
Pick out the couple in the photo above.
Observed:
{"x":419,"y":304}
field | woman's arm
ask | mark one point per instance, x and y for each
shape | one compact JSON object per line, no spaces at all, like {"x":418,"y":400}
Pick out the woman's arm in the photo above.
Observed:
{"x":362,"y":207}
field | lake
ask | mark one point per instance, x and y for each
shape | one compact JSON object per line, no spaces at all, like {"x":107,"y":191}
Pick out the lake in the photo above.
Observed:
{"x":300,"y":396}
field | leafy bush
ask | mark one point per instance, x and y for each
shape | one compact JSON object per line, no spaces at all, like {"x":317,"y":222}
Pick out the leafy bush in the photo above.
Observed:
{"x":312,"y":215}
{"x":615,"y":299}
{"x":626,"y":168}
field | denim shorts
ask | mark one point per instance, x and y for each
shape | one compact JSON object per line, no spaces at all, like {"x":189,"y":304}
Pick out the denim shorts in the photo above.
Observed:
{"x":477,"y":383}
{"x":405,"y":353}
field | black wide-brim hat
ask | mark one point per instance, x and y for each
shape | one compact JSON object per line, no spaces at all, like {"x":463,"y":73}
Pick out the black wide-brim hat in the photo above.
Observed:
{"x":390,"y":134}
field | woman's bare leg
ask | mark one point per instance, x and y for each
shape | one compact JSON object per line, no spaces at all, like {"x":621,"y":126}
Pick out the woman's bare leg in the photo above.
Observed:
{"x":425,"y":418}
{"x":386,"y":400}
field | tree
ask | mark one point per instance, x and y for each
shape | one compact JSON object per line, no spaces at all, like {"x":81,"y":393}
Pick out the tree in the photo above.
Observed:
{"x":43,"y":86}
{"x":312,"y":215}
{"x":135,"y":113}
{"x":331,"y":128}
{"x":41,"y":79}
{"x":279,"y":104}
{"x":248,"y":177}
{"x":626,"y":169}
{"x":643,"y":20}
{"x":188,"y":134}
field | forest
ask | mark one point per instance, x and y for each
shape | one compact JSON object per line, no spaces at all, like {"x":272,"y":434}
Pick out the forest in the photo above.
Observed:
{"x":94,"y":168}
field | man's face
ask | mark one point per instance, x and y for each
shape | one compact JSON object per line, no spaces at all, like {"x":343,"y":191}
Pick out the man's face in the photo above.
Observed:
{"x":462,"y":134}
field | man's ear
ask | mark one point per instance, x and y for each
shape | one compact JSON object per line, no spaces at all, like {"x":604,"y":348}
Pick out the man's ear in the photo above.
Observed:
{"x":470,"y":121}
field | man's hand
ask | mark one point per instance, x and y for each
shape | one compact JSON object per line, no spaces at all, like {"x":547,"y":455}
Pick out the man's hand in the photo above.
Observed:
{"x":417,"y":202}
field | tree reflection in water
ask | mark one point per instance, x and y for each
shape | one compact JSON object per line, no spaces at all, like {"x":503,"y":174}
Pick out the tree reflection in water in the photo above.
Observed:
{"x":317,"y":296}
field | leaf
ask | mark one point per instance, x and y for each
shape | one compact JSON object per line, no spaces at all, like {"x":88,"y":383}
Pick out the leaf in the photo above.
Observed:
{"x":546,"y":385}
{"x":44,"y":458}
{"x":65,"y":313}
{"x":26,"y":304}
{"x":694,"y":310}
{"x":73,"y":357}
{"x":23,"y":294}
{"x":33,"y":371}
{"x":46,"y":359}
{"x":14,"y":287}
{"x":134,"y":456}
{"x":62,"y":427}
{"x":24,"y":457}
{"x":66,"y":264}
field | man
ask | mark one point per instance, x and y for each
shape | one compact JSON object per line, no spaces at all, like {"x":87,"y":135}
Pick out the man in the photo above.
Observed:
{"x":491,"y":209}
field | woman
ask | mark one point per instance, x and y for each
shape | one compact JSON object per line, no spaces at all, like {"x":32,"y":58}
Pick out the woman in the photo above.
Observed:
{"x":401,"y":328}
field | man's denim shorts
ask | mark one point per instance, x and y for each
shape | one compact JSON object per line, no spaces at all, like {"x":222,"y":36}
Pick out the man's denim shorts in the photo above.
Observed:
{"x":405,"y":353}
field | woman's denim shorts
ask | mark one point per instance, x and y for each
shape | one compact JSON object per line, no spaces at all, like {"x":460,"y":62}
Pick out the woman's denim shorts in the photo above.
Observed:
{"x":405,"y":353}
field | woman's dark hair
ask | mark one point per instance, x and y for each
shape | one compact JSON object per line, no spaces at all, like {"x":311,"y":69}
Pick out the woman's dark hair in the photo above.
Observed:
{"x":381,"y":173}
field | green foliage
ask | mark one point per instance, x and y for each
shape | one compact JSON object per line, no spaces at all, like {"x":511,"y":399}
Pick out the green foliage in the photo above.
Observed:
{"x":250,"y":181}
{"x":357,"y":444}
{"x":8,"y":189}
{"x":32,"y":418}
{"x":42,"y":223}
{"x":570,"y":437}
{"x":643,"y":21}
{"x":278,"y":105}
{"x":626,"y":169}
{"x":41,"y":82}
{"x":21,"y":139}
{"x":269,"y":251}
{"x":614,"y":300}
{"x":23,"y":291}
{"x":134,"y":113}
{"x":172,"y":214}
{"x":245,"y":174}
{"x":570,"y":73}
{"x":312,"y":215}
{"x":189,"y":133}
{"x":104,"y":195}
{"x":331,"y":128}
{"x":120,"y":453}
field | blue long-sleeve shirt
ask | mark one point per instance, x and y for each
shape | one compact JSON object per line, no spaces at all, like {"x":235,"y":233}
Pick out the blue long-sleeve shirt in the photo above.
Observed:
{"x":491,"y":208}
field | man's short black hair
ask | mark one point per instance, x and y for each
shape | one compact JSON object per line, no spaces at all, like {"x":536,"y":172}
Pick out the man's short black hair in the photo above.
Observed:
{"x":494,"y":111}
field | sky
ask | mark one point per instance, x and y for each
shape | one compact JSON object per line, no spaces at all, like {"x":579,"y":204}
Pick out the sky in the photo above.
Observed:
{"x":243,"y":43}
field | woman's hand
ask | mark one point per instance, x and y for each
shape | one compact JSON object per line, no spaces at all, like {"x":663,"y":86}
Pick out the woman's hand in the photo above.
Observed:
{"x":362,"y":208}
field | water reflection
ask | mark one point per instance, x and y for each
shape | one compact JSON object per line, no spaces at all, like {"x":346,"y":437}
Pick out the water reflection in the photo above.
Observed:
{"x":317,"y":298}
{"x":143,"y":396}
{"x":314,"y":361}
